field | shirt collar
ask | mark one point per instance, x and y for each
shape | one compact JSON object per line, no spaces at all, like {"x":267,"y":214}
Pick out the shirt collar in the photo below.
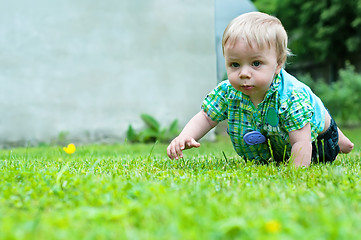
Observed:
{"x":274,"y":85}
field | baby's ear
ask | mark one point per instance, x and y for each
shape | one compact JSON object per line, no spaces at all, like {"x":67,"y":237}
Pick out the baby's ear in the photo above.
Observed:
{"x":278,"y":69}
{"x":281,"y":63}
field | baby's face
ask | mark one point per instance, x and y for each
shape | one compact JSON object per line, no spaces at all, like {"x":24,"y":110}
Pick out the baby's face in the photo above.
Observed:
{"x":251,"y":70}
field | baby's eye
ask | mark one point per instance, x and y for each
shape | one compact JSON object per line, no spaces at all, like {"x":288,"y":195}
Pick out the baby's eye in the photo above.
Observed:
{"x":256,"y":63}
{"x":234,"y":65}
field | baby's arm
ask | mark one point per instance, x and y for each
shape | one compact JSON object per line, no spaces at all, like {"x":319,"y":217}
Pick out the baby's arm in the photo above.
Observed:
{"x":195,"y":129}
{"x":301,"y":146}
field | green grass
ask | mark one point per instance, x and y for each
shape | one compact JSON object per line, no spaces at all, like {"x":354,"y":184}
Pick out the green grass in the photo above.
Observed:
{"x":136,"y":192}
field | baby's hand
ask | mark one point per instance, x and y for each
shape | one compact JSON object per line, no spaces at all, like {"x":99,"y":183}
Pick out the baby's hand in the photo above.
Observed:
{"x":179,"y":144}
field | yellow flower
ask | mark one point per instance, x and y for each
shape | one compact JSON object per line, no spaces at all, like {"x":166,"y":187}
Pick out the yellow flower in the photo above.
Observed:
{"x":273,"y":226}
{"x":70,"y":149}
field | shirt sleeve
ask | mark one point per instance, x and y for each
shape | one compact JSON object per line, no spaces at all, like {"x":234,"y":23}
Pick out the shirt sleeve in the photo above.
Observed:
{"x":298,"y":111}
{"x":216,"y":104}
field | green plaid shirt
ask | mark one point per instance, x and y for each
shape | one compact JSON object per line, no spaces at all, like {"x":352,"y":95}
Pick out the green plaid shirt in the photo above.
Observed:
{"x":288,"y":105}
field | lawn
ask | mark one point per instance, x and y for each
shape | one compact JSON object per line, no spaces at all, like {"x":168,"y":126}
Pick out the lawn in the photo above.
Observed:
{"x":135,"y":192}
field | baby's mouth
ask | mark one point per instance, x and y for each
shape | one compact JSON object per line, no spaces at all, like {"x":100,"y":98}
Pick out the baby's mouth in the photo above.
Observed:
{"x":247,"y":87}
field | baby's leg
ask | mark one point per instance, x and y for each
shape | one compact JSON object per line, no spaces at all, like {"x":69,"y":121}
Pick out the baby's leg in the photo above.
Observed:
{"x":345,"y":144}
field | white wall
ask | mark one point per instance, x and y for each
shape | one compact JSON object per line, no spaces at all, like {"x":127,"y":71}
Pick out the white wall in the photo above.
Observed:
{"x":90,"y":67}
{"x":225,"y":11}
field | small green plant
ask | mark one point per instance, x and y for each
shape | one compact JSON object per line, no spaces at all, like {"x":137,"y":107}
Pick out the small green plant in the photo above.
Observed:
{"x":153,"y":131}
{"x":342,"y":98}
{"x":60,"y":140}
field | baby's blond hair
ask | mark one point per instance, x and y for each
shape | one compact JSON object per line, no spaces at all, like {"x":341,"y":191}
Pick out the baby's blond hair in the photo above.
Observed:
{"x":260,"y":30}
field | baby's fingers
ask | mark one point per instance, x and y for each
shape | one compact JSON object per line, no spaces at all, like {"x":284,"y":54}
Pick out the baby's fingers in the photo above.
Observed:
{"x":174,"y":150}
{"x":171,"y":151}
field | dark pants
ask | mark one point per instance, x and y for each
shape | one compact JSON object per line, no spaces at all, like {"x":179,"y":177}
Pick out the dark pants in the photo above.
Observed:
{"x":325,"y":148}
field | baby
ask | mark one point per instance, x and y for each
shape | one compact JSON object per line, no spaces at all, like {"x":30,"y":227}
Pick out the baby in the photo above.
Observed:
{"x":271,"y":115}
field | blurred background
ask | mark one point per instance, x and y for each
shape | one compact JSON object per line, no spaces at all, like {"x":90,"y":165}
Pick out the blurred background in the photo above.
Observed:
{"x":325,"y":38}
{"x":85,"y":71}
